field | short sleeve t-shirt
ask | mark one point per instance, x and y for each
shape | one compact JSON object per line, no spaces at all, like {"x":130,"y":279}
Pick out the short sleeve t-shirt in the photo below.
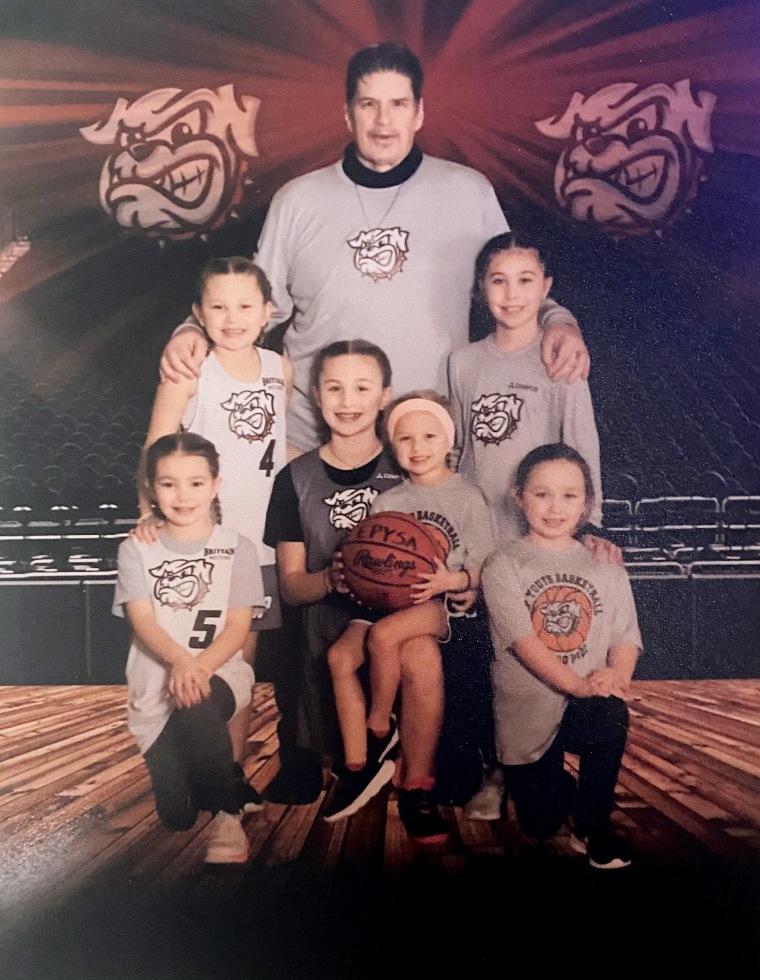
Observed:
{"x":577,"y":606}
{"x":456,"y":509}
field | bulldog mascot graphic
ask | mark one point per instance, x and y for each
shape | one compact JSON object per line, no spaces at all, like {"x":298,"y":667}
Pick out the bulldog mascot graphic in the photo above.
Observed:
{"x":182,"y":583}
{"x":180,"y":159}
{"x":251,"y":414}
{"x":495,"y":417}
{"x":349,"y":506}
{"x":633,"y":155}
{"x":381,"y":252}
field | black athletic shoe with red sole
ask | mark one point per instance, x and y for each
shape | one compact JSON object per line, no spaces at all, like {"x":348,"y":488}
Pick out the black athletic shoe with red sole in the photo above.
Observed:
{"x":421,"y":817}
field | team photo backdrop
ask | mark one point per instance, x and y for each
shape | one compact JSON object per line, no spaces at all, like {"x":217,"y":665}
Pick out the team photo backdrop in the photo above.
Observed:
{"x":140,"y":138}
{"x":611,"y":113}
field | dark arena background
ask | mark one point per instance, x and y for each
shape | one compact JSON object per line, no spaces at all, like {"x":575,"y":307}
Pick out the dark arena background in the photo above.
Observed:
{"x":658,"y":255}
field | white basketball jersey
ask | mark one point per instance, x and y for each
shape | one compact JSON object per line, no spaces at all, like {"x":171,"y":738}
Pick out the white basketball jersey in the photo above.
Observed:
{"x":190,"y":596}
{"x":246,"y":422}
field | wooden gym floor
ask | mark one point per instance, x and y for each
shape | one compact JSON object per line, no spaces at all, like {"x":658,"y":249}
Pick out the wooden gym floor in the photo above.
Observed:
{"x":92,"y":886}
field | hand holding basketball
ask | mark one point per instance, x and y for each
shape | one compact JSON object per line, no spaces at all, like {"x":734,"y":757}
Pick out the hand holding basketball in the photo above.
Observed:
{"x":383,"y":558}
{"x":433,"y":583}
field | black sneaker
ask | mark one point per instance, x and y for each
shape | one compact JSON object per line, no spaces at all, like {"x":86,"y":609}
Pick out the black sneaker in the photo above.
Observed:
{"x":421,"y":817}
{"x":295,"y":785}
{"x":606,"y":852}
{"x":380,"y":749}
{"x":248,"y":799}
{"x":355,"y":788}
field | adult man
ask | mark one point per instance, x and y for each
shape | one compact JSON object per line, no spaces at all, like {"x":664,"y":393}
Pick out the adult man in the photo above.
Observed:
{"x":379,"y":246}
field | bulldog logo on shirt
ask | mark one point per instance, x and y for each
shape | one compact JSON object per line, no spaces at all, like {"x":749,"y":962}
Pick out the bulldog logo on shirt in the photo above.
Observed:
{"x":495,"y":417}
{"x":251,"y":414}
{"x":381,"y":252}
{"x":349,"y":506}
{"x":561,"y":618}
{"x":182,"y":583}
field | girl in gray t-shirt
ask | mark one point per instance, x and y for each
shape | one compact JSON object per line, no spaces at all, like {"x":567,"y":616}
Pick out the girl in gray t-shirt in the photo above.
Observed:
{"x":566,"y":642}
{"x":504,"y":404}
{"x":421,"y":433}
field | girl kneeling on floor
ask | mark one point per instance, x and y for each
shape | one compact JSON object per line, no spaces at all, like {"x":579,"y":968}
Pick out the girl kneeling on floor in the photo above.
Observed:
{"x":189,"y":597}
{"x":566,"y":642}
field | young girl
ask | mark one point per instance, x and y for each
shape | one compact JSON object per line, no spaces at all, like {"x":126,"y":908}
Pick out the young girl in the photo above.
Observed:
{"x":238,"y":402}
{"x":189,"y":597}
{"x":315,"y":500}
{"x":421,"y":433}
{"x":502,"y":401}
{"x":566,"y":640}
{"x":504,"y":405}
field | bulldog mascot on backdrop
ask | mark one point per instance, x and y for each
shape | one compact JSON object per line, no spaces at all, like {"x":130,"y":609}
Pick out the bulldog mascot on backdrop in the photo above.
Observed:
{"x":632,"y":157}
{"x":180,"y":159}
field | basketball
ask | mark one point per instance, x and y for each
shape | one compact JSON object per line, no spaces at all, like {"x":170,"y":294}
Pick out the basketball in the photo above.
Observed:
{"x":382,"y":557}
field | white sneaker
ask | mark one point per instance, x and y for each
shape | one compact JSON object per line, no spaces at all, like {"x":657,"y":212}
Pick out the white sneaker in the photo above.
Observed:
{"x":229,"y":844}
{"x":486,"y":803}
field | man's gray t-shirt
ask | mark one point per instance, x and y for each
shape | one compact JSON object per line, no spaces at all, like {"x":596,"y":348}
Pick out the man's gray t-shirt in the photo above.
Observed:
{"x":393,"y":266}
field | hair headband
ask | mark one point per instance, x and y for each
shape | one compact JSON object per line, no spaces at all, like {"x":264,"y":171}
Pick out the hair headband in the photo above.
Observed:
{"x":421,"y":405}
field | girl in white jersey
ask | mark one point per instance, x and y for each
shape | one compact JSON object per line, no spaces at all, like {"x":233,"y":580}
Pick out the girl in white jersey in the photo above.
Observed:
{"x":566,"y":641}
{"x":189,"y":597}
{"x":238,"y":402}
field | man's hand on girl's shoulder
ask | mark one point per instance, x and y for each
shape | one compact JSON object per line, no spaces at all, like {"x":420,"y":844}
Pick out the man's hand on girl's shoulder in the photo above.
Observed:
{"x":146,"y":529}
{"x":564,"y":353}
{"x":603,"y":550}
{"x":184,"y":354}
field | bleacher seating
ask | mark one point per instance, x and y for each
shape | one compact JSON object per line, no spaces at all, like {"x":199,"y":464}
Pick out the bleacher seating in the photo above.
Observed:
{"x":617,"y":518}
{"x":741,"y":520}
{"x":668,"y":522}
{"x":680,"y":530}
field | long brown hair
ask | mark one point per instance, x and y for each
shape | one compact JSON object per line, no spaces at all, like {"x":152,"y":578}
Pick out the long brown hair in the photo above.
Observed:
{"x":233,"y":265}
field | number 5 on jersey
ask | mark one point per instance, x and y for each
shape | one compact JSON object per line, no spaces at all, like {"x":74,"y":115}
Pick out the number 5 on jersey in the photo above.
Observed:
{"x":204,"y":628}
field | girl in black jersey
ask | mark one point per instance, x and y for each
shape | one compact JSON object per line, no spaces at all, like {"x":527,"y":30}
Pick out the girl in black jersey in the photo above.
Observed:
{"x":315,"y":500}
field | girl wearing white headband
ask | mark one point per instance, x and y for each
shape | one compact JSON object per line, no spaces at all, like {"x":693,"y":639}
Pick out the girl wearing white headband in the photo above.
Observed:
{"x":421,"y":433}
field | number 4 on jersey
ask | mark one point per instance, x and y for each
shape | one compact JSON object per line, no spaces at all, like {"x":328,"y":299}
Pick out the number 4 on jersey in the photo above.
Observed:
{"x":267,"y":460}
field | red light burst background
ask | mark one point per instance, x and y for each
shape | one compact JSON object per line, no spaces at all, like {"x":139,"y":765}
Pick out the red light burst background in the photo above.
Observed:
{"x":492,"y":70}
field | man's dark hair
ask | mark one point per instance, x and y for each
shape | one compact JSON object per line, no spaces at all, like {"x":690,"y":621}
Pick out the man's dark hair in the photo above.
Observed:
{"x":386,"y":56}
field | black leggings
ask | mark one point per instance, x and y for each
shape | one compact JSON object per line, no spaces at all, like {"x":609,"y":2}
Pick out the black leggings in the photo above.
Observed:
{"x":467,"y":736}
{"x":544,"y":794}
{"x":190,"y":763}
